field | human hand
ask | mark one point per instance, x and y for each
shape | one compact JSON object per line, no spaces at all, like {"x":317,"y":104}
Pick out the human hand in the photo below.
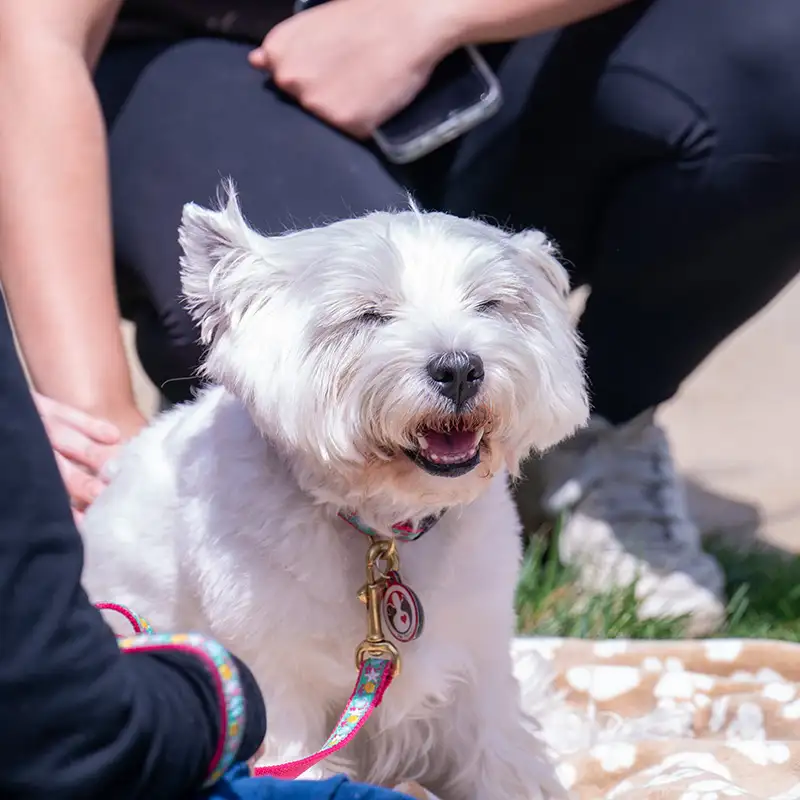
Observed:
{"x":82,"y":444}
{"x":355,"y":63}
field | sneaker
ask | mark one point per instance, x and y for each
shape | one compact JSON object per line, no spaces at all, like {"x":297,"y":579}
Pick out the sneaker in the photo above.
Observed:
{"x":627,"y":520}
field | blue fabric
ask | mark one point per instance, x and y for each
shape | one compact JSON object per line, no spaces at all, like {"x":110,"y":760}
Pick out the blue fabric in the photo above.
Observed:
{"x":238,"y":785}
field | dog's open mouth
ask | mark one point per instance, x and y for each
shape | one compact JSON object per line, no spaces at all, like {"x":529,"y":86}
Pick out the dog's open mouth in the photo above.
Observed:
{"x":447,"y":453}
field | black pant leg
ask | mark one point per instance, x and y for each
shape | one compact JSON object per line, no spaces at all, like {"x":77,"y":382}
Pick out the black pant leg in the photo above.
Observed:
{"x":659,"y":145}
{"x":77,"y":718}
{"x":703,"y":233}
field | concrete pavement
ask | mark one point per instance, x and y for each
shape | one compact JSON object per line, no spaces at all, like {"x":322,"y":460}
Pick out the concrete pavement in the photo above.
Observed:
{"x":735,"y":431}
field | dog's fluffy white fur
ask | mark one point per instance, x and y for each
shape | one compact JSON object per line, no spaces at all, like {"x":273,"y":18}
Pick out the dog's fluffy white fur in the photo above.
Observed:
{"x":222,"y":516}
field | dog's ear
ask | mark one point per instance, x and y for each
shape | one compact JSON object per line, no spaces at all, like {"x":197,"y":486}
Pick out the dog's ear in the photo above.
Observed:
{"x":225,"y":271}
{"x":538,"y":249}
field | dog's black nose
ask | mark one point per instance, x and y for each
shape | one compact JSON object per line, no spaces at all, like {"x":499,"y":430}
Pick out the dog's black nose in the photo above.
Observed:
{"x":458,"y":376}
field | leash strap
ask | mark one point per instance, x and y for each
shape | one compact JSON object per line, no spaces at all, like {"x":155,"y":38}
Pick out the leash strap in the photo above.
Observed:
{"x":374,"y":678}
{"x":378,"y":662}
{"x":221,"y":668}
{"x":139,"y":624}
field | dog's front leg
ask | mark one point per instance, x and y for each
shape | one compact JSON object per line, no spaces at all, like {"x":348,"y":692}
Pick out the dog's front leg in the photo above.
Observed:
{"x":494,"y":752}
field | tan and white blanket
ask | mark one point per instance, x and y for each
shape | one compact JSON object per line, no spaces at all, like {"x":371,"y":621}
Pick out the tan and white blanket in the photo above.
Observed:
{"x":660,"y":720}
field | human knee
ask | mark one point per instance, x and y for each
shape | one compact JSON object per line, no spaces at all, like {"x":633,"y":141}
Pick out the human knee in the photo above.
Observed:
{"x":759,"y":82}
{"x":733,"y":92}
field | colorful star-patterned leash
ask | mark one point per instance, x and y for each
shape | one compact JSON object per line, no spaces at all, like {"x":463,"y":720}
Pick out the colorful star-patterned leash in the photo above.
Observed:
{"x":374,"y":676}
{"x":377,"y":660}
{"x":221,"y":669}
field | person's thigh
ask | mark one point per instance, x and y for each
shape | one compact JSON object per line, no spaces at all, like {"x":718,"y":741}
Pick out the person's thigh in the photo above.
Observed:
{"x":699,"y":230}
{"x":701,"y":234}
{"x":188,"y":116}
{"x":706,"y":92}
{"x":697,"y":116}
{"x":660,"y":146}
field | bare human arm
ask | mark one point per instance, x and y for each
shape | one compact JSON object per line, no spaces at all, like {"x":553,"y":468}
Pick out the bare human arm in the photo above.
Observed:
{"x":55,"y":231}
{"x":478,"y":22}
{"x":355,"y":63}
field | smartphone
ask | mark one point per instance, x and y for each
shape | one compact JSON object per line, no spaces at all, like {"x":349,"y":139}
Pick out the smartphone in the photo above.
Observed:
{"x":460,"y":94}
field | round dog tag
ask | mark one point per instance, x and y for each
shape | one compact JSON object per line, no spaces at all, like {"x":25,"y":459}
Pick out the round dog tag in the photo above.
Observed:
{"x":401,"y":610}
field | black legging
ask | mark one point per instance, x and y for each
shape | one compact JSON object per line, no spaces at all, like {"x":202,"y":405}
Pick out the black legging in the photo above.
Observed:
{"x":77,"y":718}
{"x":659,"y":145}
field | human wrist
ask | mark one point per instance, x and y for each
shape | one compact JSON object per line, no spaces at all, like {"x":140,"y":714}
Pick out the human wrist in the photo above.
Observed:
{"x":118,"y":408}
{"x":122,"y":413}
{"x":438,"y":26}
{"x":128,"y":419}
{"x":450,"y":23}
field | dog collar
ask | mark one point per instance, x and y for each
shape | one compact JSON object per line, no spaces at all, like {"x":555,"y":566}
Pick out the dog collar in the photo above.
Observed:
{"x":403,"y":531}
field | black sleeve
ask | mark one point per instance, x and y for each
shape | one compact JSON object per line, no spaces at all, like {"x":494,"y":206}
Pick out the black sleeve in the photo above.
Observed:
{"x":79,"y":719}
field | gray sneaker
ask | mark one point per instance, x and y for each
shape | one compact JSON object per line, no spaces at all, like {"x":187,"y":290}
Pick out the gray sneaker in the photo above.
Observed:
{"x":627,"y":520}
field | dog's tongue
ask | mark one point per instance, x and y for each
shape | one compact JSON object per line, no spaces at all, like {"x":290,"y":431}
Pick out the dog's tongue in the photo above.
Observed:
{"x":450,"y":444}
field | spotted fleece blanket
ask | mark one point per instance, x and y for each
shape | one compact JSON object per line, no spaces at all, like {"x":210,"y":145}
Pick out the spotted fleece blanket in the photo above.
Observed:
{"x":668,"y":720}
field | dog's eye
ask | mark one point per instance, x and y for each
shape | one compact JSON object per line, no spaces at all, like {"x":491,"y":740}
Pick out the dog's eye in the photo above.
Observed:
{"x":374,"y":317}
{"x":487,"y":306}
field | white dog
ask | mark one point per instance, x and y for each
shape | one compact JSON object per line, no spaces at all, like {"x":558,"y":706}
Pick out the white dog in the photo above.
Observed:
{"x":392,"y":367}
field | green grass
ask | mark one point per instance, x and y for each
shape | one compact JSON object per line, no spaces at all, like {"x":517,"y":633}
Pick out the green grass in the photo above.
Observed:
{"x":763,"y":587}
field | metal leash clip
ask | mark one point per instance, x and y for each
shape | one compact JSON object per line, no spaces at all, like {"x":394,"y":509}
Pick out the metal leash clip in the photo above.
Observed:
{"x":375,"y":645}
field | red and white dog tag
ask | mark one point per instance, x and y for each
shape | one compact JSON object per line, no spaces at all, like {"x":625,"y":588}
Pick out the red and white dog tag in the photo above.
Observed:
{"x":401,"y":610}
